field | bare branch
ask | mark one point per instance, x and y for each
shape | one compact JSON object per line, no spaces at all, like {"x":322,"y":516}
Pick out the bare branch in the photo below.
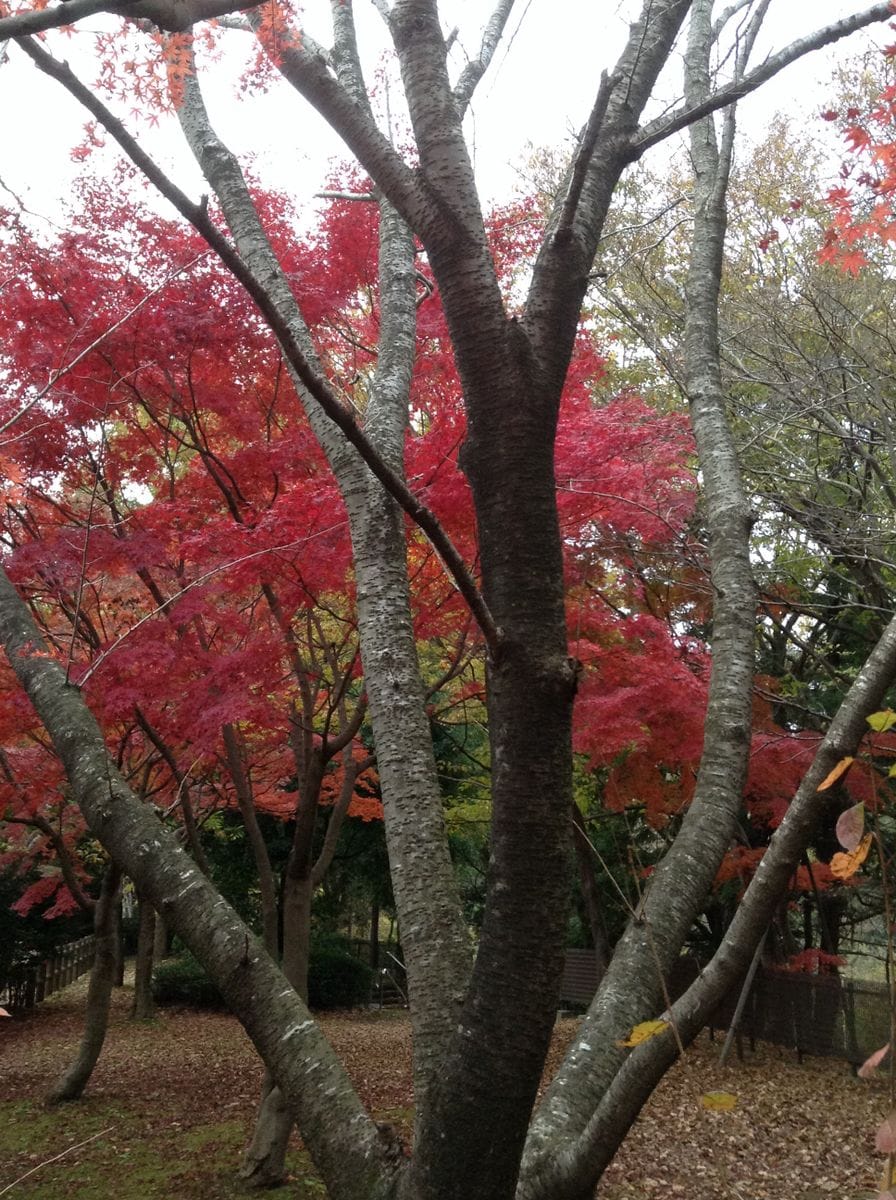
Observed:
{"x":473,"y":71}
{"x":308,"y":73}
{"x":367,"y":197}
{"x":725,"y":16}
{"x":172,"y":15}
{"x":659,"y":130}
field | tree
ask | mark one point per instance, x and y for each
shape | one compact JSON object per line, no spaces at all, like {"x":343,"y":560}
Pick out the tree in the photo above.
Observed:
{"x":479,"y":1045}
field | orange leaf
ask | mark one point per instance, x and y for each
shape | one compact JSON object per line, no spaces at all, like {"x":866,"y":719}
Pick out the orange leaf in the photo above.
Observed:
{"x":831,"y":778}
{"x":844,"y":866}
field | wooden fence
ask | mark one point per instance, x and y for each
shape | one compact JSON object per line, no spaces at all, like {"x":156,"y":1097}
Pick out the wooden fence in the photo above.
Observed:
{"x":811,"y":1014}
{"x":27,"y":985}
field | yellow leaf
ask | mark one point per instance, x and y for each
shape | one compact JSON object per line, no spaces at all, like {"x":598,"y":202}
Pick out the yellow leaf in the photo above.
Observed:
{"x":841,"y":768}
{"x":719,"y":1101}
{"x":640,"y":1033}
{"x":880,"y":722}
{"x":843,"y":866}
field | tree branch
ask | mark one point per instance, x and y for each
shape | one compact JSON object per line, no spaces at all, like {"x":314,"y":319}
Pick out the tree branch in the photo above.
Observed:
{"x":172,"y":15}
{"x":647,"y":1063}
{"x":659,"y":130}
{"x":473,"y":71}
{"x":587,"y":142}
{"x":307,"y":72}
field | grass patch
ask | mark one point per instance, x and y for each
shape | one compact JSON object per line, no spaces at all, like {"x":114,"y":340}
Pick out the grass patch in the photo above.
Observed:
{"x":131,"y":1159}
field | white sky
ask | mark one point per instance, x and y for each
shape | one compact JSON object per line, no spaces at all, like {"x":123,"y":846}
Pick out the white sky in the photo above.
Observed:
{"x":538,"y":90}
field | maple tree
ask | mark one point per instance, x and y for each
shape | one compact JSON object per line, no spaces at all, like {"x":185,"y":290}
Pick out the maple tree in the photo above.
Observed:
{"x":480,"y":1035}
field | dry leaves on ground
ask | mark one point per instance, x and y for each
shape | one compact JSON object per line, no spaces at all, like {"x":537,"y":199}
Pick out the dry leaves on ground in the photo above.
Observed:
{"x":796,"y":1132}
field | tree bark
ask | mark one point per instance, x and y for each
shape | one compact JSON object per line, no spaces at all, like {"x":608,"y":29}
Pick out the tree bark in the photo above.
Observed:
{"x":434,"y":937}
{"x":161,"y":947}
{"x":99,"y":992}
{"x":634,"y":987}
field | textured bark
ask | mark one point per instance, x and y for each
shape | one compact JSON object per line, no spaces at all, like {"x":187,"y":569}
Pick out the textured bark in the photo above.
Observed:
{"x":264,"y":1160}
{"x":433,"y":936}
{"x":161,"y":946}
{"x":99,"y":992}
{"x":343,"y":1141}
{"x":633,"y":988}
{"x":144,"y":1008}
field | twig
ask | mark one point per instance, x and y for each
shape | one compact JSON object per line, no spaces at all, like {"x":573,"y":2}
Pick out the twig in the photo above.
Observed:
{"x":55,"y":1158}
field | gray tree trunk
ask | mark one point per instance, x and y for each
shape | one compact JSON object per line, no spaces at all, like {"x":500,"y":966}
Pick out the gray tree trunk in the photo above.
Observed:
{"x":72,"y":1083}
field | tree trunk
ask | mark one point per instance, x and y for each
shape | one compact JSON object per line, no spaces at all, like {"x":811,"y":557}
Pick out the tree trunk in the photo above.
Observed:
{"x":343,"y":1140}
{"x":99,"y":992}
{"x":161,"y":946}
{"x":436,"y":944}
{"x":590,"y":891}
{"x":264,"y":1163}
{"x":144,"y":1008}
{"x":118,"y":945}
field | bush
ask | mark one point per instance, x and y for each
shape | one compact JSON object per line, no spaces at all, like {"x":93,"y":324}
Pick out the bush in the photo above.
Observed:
{"x":336,"y":979}
{"x":183,"y":981}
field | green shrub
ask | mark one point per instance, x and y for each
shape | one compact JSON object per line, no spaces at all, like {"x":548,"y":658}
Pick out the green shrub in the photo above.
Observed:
{"x":183,"y":981}
{"x":336,"y":979}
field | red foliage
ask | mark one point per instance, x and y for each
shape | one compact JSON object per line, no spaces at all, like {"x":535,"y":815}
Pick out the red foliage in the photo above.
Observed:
{"x":815,"y":962}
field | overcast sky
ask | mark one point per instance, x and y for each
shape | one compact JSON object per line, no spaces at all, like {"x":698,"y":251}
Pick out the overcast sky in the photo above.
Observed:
{"x":538,"y":91}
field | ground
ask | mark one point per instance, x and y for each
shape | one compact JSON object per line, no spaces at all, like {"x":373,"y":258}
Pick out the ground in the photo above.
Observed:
{"x":171,"y":1103}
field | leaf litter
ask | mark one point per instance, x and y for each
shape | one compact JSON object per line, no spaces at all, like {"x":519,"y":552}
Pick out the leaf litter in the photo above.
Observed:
{"x":796,"y":1132}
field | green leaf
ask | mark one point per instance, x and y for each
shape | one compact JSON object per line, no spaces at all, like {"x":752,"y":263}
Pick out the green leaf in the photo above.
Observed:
{"x":880,"y":722}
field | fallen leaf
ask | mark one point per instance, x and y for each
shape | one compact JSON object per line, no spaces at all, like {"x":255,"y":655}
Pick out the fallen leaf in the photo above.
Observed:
{"x":640,"y":1033}
{"x":885,"y":1138}
{"x":719,"y":1101}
